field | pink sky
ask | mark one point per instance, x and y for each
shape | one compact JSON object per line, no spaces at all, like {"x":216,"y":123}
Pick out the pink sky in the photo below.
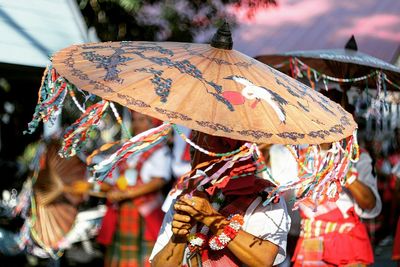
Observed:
{"x":321,"y":24}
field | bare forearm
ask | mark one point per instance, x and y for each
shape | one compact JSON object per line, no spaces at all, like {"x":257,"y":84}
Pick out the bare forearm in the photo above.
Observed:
{"x":171,"y":255}
{"x":363,"y":195}
{"x":154,"y":185}
{"x":253,"y":251}
{"x":250,"y":250}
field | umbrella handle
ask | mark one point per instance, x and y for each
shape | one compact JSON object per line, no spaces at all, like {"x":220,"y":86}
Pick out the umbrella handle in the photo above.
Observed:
{"x":97,"y":194}
{"x":81,"y":188}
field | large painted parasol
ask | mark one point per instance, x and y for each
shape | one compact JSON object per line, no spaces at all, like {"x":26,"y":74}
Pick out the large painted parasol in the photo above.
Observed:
{"x":210,"y":88}
{"x":205,"y":87}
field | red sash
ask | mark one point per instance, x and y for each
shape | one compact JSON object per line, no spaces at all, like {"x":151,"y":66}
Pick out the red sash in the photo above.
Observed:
{"x":337,"y":248}
{"x":108,"y":225}
{"x":149,"y":207}
{"x":396,"y":244}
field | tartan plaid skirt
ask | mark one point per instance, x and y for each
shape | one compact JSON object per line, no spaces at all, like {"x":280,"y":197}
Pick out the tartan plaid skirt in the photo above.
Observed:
{"x":396,"y":244}
{"x":129,"y":248}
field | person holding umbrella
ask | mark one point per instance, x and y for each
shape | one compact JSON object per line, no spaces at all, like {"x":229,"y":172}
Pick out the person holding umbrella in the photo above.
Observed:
{"x":332,"y":234}
{"x":360,"y":197}
{"x":394,"y":159}
{"x":134,"y":213}
{"x":241,"y":229}
{"x":234,"y":103}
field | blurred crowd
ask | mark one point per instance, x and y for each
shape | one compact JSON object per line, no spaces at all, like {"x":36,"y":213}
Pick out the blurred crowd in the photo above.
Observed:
{"x":117,"y":222}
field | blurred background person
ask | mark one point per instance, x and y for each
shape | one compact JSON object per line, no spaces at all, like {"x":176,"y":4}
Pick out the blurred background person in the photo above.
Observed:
{"x":388,"y":172}
{"x":333,"y":234}
{"x":394,"y":159}
{"x":134,"y":214}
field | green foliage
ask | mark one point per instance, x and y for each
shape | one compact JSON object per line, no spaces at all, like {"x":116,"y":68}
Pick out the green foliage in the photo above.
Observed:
{"x":26,"y":158}
{"x":130,"y":5}
{"x":4,"y":85}
{"x":170,"y":20}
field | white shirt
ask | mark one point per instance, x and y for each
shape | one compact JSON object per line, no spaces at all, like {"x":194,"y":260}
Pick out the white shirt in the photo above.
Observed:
{"x":157,"y":165}
{"x":270,"y":223}
{"x":346,"y":201}
{"x":283,"y":164}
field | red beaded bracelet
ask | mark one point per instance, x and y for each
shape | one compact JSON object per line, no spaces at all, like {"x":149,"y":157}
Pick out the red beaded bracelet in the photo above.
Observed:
{"x":197,"y":242}
{"x":228,"y":233}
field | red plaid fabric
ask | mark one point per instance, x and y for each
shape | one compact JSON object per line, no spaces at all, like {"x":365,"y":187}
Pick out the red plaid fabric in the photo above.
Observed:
{"x":315,"y":228}
{"x":135,"y":233}
{"x":311,"y":252}
{"x":396,"y":244}
{"x":332,"y":240}
{"x":128,"y":248}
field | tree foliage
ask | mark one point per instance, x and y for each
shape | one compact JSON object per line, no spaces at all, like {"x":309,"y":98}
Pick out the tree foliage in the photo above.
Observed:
{"x":170,"y":20}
